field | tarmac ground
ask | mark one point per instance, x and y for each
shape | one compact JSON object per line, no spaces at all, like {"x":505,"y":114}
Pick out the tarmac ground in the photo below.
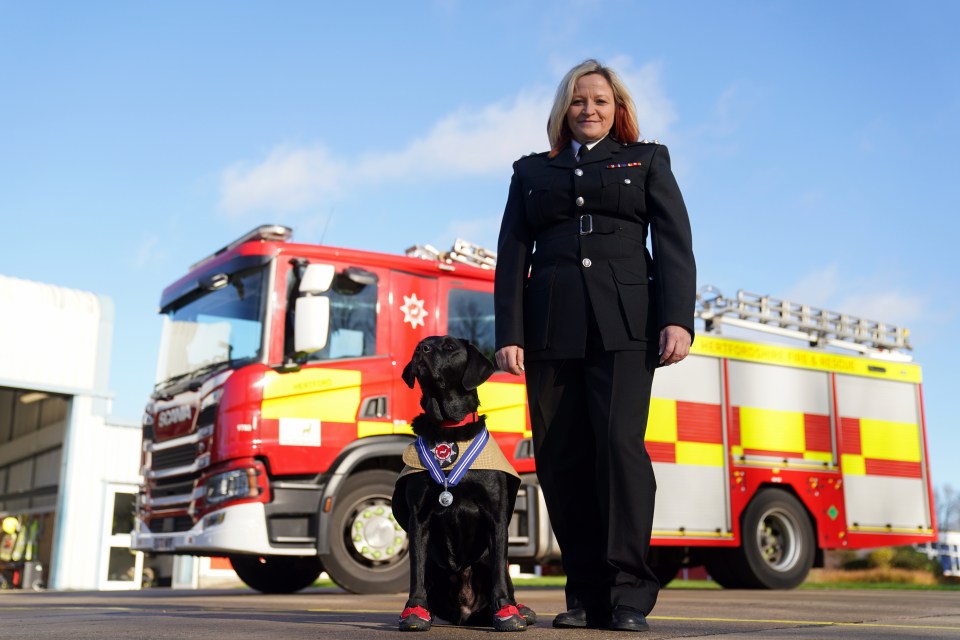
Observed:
{"x":238,"y":614}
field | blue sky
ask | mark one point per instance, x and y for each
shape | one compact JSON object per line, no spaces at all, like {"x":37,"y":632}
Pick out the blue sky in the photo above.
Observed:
{"x":815,"y":143}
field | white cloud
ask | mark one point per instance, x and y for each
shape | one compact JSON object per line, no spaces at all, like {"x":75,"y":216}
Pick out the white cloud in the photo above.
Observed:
{"x":864,"y":297}
{"x":892,"y":306}
{"x":148,"y":252}
{"x":655,"y":111}
{"x":480,"y":231}
{"x":288,"y":179}
{"x":468,"y":142}
{"x":816,"y":288}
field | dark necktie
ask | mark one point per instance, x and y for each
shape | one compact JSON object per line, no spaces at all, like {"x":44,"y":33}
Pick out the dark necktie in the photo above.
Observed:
{"x":582,"y":151}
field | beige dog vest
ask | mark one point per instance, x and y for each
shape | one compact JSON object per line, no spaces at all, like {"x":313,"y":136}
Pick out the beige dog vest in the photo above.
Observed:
{"x":490,"y":458}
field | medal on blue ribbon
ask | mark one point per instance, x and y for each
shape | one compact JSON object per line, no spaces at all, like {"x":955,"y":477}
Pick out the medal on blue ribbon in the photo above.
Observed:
{"x":454,"y":477}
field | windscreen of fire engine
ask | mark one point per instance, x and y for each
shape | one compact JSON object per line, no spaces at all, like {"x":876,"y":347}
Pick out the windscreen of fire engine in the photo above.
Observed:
{"x":216,"y":329}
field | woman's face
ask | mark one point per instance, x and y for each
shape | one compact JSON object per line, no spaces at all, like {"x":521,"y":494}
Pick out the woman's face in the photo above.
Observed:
{"x":590,"y":115}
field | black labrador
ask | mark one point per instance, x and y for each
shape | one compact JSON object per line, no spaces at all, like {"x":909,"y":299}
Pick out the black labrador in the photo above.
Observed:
{"x":456,"y":513}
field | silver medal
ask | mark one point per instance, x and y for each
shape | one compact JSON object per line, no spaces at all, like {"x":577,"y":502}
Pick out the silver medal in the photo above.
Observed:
{"x":446,"y":499}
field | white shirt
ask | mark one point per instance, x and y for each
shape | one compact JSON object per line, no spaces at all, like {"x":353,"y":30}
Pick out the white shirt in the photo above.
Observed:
{"x":590,"y":145}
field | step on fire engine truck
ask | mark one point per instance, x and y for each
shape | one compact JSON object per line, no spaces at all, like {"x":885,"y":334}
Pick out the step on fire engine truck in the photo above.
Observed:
{"x":275,"y":430}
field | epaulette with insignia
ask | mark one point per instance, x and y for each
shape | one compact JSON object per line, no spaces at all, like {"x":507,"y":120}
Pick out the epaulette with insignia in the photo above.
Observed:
{"x":648,"y":141}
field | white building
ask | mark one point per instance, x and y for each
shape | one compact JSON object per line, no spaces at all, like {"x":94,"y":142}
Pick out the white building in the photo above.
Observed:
{"x":68,"y":476}
{"x":947,"y":551}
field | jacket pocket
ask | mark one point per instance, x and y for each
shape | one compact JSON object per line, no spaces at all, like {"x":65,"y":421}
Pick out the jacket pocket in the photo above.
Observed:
{"x":623,"y":190}
{"x":546,"y":196}
{"x":636,"y":298}
{"x":537,"y":298}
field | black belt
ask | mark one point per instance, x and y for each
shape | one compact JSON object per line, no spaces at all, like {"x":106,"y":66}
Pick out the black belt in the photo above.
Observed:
{"x":588,"y":224}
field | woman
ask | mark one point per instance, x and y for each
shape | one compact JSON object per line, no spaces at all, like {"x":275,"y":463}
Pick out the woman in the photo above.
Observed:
{"x":597,"y":314}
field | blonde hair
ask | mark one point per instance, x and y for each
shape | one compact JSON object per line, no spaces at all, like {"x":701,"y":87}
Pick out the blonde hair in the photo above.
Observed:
{"x":625,"y":125}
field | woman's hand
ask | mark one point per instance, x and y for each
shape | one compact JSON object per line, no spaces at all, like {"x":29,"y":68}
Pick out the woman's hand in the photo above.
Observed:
{"x":674,"y":344}
{"x":510,"y":359}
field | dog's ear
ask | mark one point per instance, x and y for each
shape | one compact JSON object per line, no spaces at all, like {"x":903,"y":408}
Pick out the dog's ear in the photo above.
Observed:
{"x":407,"y":374}
{"x":478,"y":368}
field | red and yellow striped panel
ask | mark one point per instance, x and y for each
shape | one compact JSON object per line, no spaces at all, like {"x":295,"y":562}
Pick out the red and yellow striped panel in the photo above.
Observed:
{"x":780,"y":434}
{"x":685,"y":433}
{"x":880,"y":448}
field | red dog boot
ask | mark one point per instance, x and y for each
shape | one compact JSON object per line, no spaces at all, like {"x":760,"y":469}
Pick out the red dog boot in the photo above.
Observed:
{"x":415,"y":619}
{"x":529,"y":615}
{"x":508,"y":618}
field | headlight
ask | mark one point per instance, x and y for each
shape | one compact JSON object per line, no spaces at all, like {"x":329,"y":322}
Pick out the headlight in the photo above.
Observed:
{"x":232,"y":485}
{"x":211,"y":398}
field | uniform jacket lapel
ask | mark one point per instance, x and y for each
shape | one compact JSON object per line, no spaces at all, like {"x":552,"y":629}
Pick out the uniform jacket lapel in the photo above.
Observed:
{"x":604,"y":150}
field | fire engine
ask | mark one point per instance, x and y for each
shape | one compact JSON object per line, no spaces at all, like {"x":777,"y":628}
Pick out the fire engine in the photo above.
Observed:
{"x":275,"y":431}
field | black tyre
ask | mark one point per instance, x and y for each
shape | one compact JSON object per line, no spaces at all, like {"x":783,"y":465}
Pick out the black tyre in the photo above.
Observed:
{"x":368,"y":549}
{"x":726,"y":567}
{"x":776,"y":549}
{"x":277,"y":574}
{"x":777,"y":541}
{"x":665,"y":563}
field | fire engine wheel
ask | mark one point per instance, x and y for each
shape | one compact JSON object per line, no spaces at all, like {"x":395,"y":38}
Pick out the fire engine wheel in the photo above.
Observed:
{"x":665,"y":562}
{"x":277,"y":574}
{"x":777,"y":546}
{"x":368,"y":549}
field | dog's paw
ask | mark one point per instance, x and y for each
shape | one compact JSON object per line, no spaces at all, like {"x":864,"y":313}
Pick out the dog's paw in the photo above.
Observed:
{"x":415,"y":619}
{"x":529,"y":615}
{"x":508,"y":618}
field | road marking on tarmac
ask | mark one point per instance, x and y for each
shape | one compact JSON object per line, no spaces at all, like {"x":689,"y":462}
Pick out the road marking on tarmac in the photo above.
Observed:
{"x":820,"y":623}
{"x":808,"y":623}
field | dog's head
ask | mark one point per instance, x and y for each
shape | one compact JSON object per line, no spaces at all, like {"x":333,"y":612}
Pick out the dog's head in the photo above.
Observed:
{"x":449,"y":371}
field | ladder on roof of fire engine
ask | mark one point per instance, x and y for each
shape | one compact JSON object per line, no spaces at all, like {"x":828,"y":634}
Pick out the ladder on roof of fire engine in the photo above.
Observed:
{"x":462,"y":251}
{"x":819,"y":327}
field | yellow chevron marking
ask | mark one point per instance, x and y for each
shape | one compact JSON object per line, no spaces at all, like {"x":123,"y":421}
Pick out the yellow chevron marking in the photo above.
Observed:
{"x":890,"y":440}
{"x":662,"y":421}
{"x":853,"y":465}
{"x":771,"y":430}
{"x":332,"y":395}
{"x":367,"y":428}
{"x":703,"y":454}
{"x":505,"y":405}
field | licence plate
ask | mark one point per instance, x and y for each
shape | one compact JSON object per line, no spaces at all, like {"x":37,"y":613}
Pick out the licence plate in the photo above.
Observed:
{"x":164,"y":544}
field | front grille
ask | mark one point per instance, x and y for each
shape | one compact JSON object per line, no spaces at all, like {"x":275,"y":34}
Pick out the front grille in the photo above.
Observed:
{"x":181,"y":456}
{"x":173,"y":486}
{"x":171,"y":524}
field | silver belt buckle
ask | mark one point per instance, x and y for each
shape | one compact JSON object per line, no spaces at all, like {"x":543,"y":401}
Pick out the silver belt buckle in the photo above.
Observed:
{"x":586,"y":224}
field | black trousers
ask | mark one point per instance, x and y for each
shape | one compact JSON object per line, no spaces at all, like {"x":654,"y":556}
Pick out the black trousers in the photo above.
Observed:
{"x":589,"y":417}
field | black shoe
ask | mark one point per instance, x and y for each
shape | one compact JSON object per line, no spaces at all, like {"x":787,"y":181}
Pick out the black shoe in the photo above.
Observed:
{"x":625,"y":618}
{"x":573,"y":619}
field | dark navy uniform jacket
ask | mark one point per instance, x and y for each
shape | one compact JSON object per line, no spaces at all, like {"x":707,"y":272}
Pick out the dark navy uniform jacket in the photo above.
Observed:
{"x":580,"y":230}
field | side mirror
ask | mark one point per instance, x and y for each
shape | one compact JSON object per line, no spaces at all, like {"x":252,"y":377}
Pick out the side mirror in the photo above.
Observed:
{"x":312,"y":324}
{"x":317,"y":278}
